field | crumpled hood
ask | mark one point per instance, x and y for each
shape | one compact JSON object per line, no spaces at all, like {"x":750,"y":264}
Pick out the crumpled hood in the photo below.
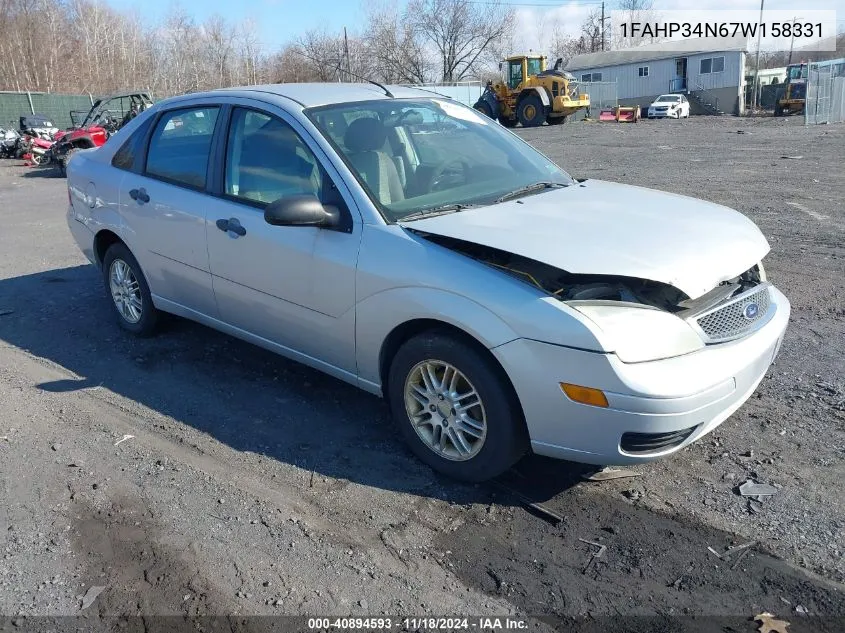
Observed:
{"x":604,"y":228}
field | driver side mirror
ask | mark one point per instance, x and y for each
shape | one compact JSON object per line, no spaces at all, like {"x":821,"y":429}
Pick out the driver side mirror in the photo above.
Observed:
{"x":304,"y":210}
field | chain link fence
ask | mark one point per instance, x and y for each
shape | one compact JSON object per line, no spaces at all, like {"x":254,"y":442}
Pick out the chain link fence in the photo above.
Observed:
{"x":603,"y":94}
{"x":56,"y":107}
{"x":825,"y":92}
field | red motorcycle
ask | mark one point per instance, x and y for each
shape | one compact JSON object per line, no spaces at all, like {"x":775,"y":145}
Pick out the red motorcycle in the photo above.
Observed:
{"x":37,"y":149}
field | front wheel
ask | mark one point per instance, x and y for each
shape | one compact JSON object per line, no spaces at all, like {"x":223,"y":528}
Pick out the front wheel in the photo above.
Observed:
{"x":530,"y":111}
{"x":128,"y":291}
{"x":455,"y":408}
{"x":484,"y":108}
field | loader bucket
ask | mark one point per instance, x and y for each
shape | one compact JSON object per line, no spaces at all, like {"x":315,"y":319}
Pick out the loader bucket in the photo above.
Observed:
{"x":608,"y":114}
{"x":627,"y":115}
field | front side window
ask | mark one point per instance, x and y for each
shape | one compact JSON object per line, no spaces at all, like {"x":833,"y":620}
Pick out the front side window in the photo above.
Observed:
{"x":414,"y":155}
{"x":534,"y":67}
{"x":267,"y":160}
{"x":180,"y":146}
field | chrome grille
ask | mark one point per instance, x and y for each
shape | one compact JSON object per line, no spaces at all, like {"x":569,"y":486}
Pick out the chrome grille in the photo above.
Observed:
{"x":734,"y":319}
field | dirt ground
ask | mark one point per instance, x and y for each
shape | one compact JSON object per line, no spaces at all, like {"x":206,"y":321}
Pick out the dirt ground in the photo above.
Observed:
{"x":251,"y":485}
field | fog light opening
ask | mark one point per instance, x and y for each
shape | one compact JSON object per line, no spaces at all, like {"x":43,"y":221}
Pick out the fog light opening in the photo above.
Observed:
{"x":584,"y":395}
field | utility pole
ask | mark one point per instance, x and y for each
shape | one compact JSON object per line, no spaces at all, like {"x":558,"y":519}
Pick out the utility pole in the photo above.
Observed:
{"x":757,"y":62}
{"x":791,"y":41}
{"x":602,"y":25}
{"x":346,"y":55}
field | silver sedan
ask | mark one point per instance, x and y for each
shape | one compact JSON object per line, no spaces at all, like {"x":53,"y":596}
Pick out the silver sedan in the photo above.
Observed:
{"x":397,"y":240}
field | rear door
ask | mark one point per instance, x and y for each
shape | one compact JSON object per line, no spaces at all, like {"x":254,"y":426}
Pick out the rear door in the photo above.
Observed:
{"x":164,"y":202}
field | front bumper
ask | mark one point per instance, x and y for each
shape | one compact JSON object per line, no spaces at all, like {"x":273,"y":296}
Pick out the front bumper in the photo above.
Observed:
{"x":655,"y":408}
{"x":661,"y":114}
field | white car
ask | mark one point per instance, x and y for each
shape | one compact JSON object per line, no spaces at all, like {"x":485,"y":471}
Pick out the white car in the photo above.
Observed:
{"x":671,"y":106}
{"x":409,"y":245}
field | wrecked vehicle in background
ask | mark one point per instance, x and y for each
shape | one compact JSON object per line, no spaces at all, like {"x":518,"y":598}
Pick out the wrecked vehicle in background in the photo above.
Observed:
{"x":106,"y":116}
{"x":438,"y":260}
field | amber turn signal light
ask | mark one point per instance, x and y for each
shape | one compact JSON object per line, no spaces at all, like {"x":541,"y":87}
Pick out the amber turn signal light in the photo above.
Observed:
{"x":584,"y":395}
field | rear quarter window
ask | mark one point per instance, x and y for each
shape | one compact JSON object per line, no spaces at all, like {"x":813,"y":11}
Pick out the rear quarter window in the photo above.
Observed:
{"x":125,"y":157}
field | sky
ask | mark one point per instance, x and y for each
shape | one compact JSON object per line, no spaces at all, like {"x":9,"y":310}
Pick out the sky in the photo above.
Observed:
{"x":281,"y":21}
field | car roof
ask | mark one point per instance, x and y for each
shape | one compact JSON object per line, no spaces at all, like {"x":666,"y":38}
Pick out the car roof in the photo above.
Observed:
{"x":309,"y":95}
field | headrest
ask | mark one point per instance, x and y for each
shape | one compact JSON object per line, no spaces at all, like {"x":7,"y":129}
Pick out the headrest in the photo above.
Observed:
{"x":365,"y":135}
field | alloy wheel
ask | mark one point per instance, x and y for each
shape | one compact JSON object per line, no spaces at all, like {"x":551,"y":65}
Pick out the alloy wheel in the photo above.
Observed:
{"x":445,"y":410}
{"x":125,"y":291}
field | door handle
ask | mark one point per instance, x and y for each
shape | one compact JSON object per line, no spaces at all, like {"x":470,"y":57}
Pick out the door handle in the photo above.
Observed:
{"x":232,"y":225}
{"x":139,"y":195}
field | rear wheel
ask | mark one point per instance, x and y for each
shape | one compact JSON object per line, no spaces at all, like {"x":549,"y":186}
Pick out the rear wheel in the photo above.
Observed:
{"x":530,"y":111}
{"x":127,"y":288}
{"x":454,"y":407}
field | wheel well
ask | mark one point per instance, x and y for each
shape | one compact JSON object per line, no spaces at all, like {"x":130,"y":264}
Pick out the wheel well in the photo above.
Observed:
{"x":102,"y":241}
{"x":409,"y":329}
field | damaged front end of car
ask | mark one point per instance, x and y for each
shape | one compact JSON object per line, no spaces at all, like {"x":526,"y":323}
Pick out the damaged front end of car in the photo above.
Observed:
{"x":640,"y":319}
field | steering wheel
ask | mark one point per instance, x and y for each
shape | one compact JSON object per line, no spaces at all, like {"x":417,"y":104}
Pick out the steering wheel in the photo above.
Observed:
{"x":440,"y":173}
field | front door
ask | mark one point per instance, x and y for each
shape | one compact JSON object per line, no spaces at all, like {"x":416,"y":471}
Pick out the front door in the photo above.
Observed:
{"x":293,"y":286}
{"x":680,"y":81}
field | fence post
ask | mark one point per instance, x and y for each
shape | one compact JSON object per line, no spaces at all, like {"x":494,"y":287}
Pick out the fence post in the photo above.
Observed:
{"x":31,"y":107}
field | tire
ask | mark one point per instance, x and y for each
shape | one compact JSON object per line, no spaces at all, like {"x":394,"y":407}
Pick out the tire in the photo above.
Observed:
{"x":135,"y":286}
{"x":65,"y":159}
{"x":556,"y":120}
{"x":484,"y":108}
{"x":497,"y":417}
{"x":508,"y":123}
{"x":530,"y":111}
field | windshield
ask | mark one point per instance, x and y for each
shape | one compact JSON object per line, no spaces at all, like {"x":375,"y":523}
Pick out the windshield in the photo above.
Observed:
{"x":417,"y":155}
{"x":668,"y":99}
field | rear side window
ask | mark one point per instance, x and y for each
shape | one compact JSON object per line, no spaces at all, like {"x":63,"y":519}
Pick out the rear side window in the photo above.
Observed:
{"x":124,"y":158}
{"x":180,"y":146}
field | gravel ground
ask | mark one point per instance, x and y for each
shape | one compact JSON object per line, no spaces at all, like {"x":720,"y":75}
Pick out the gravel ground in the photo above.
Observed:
{"x":252,"y":485}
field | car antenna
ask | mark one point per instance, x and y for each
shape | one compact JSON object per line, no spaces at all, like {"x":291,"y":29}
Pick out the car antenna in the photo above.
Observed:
{"x":349,"y":72}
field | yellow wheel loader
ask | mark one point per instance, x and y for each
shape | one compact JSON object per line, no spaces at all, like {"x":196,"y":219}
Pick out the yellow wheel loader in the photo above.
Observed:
{"x":794,"y":97}
{"x":531,"y":95}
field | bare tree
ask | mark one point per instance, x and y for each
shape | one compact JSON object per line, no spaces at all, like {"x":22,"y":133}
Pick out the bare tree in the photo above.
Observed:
{"x":395,"y":48}
{"x":459,"y":31}
{"x":591,"y":32}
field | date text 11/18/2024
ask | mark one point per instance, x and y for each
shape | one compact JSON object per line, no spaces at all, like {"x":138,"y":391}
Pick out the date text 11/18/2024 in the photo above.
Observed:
{"x":481,"y":623}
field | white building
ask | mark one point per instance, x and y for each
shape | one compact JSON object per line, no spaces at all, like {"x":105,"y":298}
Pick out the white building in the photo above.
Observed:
{"x":711,"y":73}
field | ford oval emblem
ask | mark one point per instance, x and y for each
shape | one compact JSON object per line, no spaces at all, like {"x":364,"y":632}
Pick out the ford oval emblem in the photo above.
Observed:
{"x":750,"y":311}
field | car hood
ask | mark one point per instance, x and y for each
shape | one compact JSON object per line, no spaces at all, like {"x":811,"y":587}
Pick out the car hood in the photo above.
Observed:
{"x":603,"y":228}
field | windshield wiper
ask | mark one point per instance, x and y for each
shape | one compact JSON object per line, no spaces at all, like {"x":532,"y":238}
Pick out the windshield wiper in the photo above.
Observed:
{"x":537,"y":186}
{"x":441,"y":210}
